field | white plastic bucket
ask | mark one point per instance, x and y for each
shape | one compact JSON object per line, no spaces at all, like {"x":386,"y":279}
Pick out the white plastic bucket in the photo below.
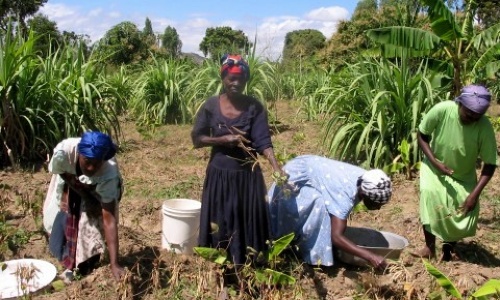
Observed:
{"x":181,"y":222}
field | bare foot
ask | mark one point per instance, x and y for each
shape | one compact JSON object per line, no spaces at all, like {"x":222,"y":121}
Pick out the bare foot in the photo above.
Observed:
{"x":423,"y":253}
{"x":449,"y":252}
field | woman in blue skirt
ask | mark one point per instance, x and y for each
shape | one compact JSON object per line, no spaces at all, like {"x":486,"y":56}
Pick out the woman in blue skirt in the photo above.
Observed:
{"x":234,"y":213}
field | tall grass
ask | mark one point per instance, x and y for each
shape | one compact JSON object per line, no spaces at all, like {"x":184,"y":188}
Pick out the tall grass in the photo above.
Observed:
{"x":171,"y":91}
{"x":46,"y":100}
{"x":160,"y":91}
{"x":380,"y":108}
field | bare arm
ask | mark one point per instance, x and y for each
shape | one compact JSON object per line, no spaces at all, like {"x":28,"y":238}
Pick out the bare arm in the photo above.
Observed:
{"x":486,"y":173}
{"x":229,"y":140}
{"x":111,"y":235}
{"x":341,"y":242}
{"x":269,"y":154}
{"x":423,"y":142}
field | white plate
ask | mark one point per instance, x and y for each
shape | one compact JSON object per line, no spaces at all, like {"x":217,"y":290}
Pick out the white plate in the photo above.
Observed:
{"x":42,"y":272}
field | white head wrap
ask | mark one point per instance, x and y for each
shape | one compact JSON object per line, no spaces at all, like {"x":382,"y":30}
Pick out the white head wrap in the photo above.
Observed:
{"x":376,"y":185}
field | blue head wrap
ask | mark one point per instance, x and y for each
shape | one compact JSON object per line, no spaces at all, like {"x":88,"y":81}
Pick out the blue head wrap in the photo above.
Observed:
{"x":475,"y":97}
{"x":97,"y":145}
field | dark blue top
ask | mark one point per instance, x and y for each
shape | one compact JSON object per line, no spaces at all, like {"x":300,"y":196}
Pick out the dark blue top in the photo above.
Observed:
{"x":253,"y":122}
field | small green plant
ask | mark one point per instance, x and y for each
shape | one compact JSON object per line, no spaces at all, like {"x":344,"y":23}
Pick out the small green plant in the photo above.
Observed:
{"x":31,"y":204}
{"x":488,"y":290}
{"x":396,"y":210}
{"x":403,"y":162}
{"x":283,"y":156}
{"x":287,"y":187}
{"x":496,"y":123}
{"x":268,"y":276}
{"x":299,"y":137}
{"x":12,"y":238}
{"x":77,"y":276}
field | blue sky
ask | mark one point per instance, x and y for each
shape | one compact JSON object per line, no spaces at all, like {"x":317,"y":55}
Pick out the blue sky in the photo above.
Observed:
{"x":271,"y":20}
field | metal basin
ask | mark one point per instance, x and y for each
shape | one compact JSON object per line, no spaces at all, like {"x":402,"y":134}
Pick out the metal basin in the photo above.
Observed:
{"x":383,"y":243}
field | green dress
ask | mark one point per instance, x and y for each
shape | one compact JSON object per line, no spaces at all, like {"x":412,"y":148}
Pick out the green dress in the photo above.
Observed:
{"x":458,"y":146}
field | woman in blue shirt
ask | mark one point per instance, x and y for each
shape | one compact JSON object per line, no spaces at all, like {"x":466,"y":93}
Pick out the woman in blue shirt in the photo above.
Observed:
{"x":317,"y":201}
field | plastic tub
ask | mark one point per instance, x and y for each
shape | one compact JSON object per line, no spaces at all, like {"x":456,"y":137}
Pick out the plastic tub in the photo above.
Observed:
{"x":383,"y":243}
{"x":181,"y":222}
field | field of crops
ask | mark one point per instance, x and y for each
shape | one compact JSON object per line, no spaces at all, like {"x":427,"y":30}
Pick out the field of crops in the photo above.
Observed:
{"x":163,"y":166}
{"x":365,"y":114}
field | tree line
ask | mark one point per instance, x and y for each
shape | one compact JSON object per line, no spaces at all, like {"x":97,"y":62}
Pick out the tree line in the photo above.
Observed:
{"x":303,"y":49}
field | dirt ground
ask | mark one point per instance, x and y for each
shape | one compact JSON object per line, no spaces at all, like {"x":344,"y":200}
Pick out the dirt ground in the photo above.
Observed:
{"x":163,"y":165}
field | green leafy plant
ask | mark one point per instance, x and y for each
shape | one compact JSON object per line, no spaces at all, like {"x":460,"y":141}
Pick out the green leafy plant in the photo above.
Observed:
{"x":486,"y":291}
{"x":403,"y":162}
{"x":496,"y":123}
{"x":159,"y":93}
{"x":270,"y":275}
{"x":489,"y":288}
{"x":46,"y":100}
{"x":380,"y":107}
{"x":453,"y":38}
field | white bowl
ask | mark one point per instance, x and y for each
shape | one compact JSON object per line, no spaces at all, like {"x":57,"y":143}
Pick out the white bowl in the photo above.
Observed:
{"x":383,"y":243}
{"x":42,"y":273}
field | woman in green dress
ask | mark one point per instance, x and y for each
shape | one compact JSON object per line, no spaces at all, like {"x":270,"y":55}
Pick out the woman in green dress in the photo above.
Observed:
{"x":453,"y":135}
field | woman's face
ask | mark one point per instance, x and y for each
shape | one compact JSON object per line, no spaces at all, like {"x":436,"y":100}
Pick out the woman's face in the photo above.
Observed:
{"x":467,"y":116}
{"x":234,"y":84}
{"x":371,"y":205}
{"x":89,"y":166}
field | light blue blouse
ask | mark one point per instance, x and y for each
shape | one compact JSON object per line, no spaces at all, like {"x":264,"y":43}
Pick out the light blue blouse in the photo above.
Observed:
{"x":323,"y":187}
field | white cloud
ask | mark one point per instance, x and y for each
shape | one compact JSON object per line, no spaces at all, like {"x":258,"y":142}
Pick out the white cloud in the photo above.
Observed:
{"x":95,"y":12}
{"x":270,"y":31}
{"x":114,"y":14}
{"x":58,"y":11}
{"x":328,"y":14}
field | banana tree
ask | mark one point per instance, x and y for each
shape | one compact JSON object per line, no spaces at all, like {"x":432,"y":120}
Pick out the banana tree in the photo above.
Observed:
{"x":472,"y":54}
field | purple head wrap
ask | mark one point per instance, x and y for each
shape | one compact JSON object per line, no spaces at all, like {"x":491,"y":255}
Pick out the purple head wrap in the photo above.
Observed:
{"x":475,"y":97}
{"x":97,"y":145}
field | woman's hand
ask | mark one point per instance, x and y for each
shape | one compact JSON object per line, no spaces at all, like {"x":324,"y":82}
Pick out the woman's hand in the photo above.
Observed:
{"x":117,"y":271}
{"x":469,"y":204}
{"x":378,"y":262}
{"x":232,"y":140}
{"x":443,"y":168}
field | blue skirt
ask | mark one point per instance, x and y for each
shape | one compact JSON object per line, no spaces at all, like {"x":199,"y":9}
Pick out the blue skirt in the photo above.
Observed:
{"x":234,"y":212}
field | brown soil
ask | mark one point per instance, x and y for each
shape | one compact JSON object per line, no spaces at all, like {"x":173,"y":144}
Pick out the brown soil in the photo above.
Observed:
{"x":164,"y":165}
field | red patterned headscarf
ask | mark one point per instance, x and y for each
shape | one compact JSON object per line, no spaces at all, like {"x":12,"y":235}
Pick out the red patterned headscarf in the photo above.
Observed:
{"x":234,"y":64}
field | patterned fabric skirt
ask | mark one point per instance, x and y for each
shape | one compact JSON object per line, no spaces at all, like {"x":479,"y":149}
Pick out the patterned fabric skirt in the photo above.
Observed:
{"x":234,"y":212}
{"x":76,"y":234}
